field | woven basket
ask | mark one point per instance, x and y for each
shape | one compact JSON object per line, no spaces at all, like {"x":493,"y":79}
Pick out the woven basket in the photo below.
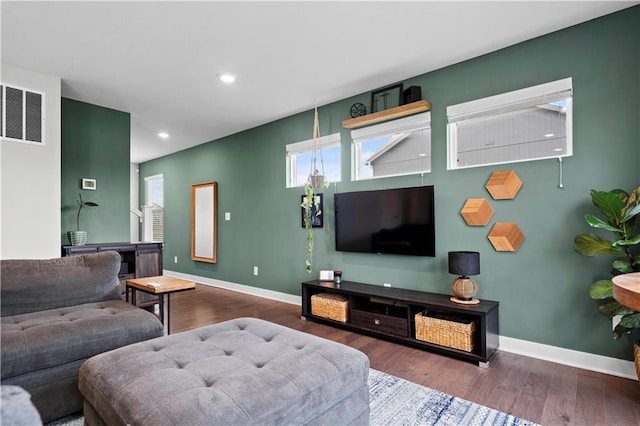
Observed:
{"x":330,"y":305}
{"x":454,"y":332}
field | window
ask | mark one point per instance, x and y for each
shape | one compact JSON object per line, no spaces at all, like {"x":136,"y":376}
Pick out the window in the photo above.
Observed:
{"x":21,"y":115}
{"x":524,"y":125}
{"x":299,"y":160}
{"x":154,"y":208}
{"x":398,"y":147}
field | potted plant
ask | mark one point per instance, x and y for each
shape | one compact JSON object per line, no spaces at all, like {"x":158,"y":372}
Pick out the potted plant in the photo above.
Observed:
{"x":314,"y":181}
{"x":78,"y":237}
{"x":620,"y":211}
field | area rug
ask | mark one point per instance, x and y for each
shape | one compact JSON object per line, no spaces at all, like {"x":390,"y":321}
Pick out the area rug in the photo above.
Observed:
{"x":395,"y":401}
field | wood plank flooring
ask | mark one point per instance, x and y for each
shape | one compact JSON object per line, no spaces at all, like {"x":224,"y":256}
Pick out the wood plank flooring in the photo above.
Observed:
{"x":540,"y":391}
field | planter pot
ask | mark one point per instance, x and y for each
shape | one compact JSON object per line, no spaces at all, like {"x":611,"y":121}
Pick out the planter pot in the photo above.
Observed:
{"x":636,"y":353}
{"x":316,"y":181}
{"x":77,"y":238}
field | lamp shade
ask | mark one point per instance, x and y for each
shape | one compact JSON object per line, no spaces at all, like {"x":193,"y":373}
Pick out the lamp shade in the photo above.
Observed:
{"x":464,"y":263}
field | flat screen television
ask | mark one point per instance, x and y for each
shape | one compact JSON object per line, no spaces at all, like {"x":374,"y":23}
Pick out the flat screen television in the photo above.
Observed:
{"x":391,"y":221}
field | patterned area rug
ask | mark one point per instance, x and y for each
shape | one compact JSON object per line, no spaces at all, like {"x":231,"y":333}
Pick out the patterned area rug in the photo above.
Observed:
{"x":394,"y":401}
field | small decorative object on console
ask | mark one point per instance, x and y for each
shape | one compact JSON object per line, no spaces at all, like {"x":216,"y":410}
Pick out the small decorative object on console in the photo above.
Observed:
{"x":464,"y":263}
{"x":337,"y":277}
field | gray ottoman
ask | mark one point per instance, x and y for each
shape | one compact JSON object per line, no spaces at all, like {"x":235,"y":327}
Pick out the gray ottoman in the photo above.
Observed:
{"x":243,"y":371}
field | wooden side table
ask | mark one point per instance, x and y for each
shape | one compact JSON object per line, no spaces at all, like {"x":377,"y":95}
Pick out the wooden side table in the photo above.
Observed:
{"x":626,"y":290}
{"x":159,"y":286}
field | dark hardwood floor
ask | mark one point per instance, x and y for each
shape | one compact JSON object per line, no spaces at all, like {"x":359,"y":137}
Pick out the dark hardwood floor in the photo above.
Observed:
{"x":539,"y":391}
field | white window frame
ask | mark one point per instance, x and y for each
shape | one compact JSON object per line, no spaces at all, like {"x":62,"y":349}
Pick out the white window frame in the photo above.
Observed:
{"x":24,"y":91}
{"x":148,"y":207}
{"x":505,"y":102}
{"x":421,"y":121}
{"x":297,"y":148}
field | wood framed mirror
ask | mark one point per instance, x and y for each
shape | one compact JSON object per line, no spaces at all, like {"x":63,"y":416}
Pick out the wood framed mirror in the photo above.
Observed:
{"x":204,"y":222}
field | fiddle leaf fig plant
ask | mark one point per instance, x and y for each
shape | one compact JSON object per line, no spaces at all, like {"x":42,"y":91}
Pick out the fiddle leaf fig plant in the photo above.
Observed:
{"x":620,"y":211}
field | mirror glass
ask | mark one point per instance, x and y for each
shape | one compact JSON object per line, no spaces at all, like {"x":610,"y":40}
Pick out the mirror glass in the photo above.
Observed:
{"x":204,"y":222}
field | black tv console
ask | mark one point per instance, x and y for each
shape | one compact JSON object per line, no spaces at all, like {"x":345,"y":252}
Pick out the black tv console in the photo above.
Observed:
{"x":389,"y":313}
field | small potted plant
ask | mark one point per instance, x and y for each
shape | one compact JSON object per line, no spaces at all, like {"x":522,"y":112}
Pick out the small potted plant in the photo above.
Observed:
{"x":78,"y":237}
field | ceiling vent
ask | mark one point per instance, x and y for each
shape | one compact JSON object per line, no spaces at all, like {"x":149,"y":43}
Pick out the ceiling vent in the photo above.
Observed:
{"x":22,"y":115}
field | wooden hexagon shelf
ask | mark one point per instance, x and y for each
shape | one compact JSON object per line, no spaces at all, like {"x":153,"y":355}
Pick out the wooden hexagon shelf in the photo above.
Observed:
{"x":506,"y":236}
{"x":477,"y":212}
{"x":503,"y":184}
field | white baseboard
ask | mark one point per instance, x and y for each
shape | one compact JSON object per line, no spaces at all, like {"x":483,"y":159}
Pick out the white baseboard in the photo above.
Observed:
{"x":584,"y":360}
{"x":240,"y":288}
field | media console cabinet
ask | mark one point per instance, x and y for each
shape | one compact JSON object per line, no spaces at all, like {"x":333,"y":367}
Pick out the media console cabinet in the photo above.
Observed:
{"x":389,"y":313}
{"x":138,"y":260}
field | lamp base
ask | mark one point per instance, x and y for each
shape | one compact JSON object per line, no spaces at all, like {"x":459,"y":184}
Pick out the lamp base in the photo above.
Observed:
{"x":464,"y":302}
{"x":464,"y":289}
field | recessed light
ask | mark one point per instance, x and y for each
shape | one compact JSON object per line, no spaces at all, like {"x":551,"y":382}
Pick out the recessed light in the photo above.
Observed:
{"x":558,"y":149}
{"x":227,"y":78}
{"x":549,"y":135}
{"x":163,"y":135}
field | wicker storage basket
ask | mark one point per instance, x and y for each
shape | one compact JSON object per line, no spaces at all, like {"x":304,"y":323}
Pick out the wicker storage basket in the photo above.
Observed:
{"x":330,"y":305}
{"x":451,"y":332}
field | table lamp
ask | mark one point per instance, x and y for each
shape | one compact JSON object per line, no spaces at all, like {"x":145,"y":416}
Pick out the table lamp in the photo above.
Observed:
{"x":464,"y":263}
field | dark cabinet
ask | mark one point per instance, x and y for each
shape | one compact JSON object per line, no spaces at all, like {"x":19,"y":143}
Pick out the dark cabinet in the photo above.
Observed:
{"x":428,"y":321}
{"x":138,"y":260}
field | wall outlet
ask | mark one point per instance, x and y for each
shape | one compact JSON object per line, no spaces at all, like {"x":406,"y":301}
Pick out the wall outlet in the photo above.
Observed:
{"x":255,"y":270}
{"x":175,"y":259}
{"x":227,"y":215}
{"x":387,"y":284}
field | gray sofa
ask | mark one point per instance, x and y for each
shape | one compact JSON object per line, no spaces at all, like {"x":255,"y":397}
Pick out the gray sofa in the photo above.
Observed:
{"x":56,"y":313}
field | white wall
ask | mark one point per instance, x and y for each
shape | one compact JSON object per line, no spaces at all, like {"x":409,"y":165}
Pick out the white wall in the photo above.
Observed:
{"x":30,"y":179}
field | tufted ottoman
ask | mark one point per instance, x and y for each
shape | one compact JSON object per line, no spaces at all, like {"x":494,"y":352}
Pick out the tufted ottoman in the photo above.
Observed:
{"x":243,"y":371}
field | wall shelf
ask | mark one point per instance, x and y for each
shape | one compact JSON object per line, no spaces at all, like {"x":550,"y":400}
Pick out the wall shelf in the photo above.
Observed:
{"x":387,"y":114}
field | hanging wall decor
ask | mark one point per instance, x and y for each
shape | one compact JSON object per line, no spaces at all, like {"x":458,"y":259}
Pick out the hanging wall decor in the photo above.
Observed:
{"x":503,"y":185}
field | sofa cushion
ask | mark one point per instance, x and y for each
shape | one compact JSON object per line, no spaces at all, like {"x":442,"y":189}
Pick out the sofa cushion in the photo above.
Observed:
{"x":30,"y":285}
{"x":44,"y":339}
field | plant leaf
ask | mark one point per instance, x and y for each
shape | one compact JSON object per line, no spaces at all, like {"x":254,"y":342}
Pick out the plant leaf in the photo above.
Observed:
{"x":596,"y":222}
{"x":622,"y":265}
{"x":631,"y":320}
{"x":614,"y":308}
{"x":620,"y":331}
{"x":633,"y":205}
{"x":90,"y":203}
{"x":635,"y":239}
{"x":602,"y":289}
{"x":592,"y":245}
{"x":611,"y":204}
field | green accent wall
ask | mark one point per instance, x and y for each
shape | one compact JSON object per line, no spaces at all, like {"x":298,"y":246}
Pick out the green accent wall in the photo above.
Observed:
{"x":542,"y":288}
{"x":96,"y":144}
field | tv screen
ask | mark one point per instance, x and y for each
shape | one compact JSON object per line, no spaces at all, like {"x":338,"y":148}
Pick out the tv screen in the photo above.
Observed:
{"x":392,"y":221}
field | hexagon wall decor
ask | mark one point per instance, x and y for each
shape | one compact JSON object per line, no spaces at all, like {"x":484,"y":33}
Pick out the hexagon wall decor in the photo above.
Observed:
{"x":506,"y":236}
{"x":503,"y":184}
{"x":477,"y":212}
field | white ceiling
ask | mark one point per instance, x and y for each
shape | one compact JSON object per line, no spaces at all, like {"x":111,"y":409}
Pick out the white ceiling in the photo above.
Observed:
{"x":158,"y":60}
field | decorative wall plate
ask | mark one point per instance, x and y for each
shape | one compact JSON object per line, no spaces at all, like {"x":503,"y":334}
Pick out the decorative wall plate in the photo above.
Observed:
{"x":358,"y":109}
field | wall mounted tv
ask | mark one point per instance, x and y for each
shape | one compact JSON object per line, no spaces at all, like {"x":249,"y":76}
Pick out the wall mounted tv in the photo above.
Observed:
{"x":390,"y":221}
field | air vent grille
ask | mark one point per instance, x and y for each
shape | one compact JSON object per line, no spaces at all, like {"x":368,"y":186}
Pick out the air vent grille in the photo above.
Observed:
{"x":22,"y":115}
